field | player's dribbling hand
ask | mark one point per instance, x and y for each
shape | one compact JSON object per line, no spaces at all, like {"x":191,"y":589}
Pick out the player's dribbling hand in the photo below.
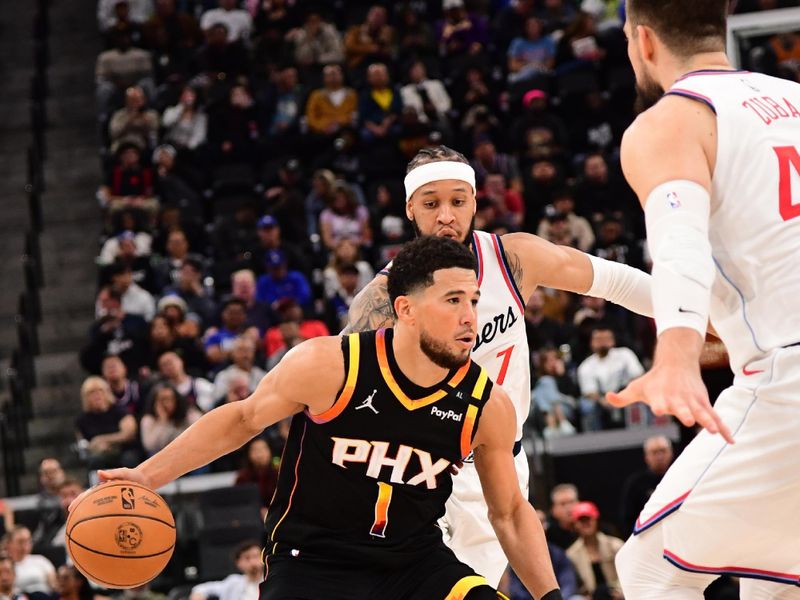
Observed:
{"x":106,"y":476}
{"x":675,"y":391}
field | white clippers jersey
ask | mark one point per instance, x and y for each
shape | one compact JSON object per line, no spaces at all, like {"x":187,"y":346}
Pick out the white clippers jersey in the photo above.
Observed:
{"x":502,"y":345}
{"x":755,"y":210}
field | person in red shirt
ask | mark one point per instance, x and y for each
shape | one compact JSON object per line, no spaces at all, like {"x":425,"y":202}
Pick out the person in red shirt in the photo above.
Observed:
{"x":293,"y":329}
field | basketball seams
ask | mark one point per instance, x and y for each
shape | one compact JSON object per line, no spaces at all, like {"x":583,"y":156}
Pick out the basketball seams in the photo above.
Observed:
{"x":96,"y":579}
{"x":127,"y":515}
{"x":109,"y":555}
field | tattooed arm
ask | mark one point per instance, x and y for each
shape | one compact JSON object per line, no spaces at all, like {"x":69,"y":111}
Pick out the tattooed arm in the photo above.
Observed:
{"x":371,"y":308}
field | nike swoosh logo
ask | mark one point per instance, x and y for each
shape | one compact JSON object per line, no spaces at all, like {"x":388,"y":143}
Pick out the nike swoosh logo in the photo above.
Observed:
{"x":683,"y":310}
{"x":753,"y":372}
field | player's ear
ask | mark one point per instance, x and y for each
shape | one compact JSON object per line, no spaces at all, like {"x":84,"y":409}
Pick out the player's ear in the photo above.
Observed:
{"x":645,"y":40}
{"x":404,"y":308}
{"x":410,"y":210}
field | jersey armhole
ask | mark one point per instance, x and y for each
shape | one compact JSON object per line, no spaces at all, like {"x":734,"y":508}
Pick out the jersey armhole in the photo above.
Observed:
{"x":480,"y":393}
{"x":351,"y":350}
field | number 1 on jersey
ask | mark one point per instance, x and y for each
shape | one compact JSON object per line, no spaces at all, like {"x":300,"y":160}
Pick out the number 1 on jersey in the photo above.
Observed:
{"x":382,"y":510}
{"x":506,"y":354}
{"x":788,"y":157}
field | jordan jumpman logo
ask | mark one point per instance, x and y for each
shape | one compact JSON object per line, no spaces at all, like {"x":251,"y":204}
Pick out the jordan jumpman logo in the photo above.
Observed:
{"x":367,"y":403}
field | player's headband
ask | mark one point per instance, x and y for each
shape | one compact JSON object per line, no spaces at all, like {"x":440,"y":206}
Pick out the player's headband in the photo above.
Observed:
{"x":437,"y":171}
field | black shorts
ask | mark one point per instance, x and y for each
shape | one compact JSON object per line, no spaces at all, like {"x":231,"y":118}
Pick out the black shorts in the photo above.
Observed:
{"x":437,"y":575}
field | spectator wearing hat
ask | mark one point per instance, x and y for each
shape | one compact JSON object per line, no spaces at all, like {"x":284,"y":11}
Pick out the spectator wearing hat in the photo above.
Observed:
{"x":531,"y":55}
{"x":345,"y":218}
{"x":579,"y":228}
{"x":125,"y":243}
{"x":219,"y":341}
{"x":593,"y":554}
{"x":135,"y":300}
{"x":243,"y":287}
{"x":333,"y":107}
{"x":538,"y":133}
{"x":270,"y":238}
{"x":191,"y":289}
{"x":279,"y":282}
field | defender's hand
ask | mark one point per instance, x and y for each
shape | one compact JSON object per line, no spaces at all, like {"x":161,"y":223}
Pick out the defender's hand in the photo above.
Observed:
{"x":676,"y":391}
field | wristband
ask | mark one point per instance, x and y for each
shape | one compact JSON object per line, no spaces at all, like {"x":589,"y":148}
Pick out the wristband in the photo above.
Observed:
{"x":553,"y":595}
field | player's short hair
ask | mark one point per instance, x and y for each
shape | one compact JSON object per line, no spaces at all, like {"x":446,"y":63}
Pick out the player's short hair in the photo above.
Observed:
{"x":687,"y":27}
{"x":244,"y":547}
{"x":415,"y":264}
{"x":435,"y":154}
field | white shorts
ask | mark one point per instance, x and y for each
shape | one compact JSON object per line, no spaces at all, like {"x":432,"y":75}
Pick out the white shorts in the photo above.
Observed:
{"x":466,"y":528}
{"x":736,"y":509}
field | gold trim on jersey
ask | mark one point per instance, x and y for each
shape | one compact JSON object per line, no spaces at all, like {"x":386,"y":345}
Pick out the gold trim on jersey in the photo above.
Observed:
{"x":464,"y":586}
{"x":354,"y":345}
{"x":408,"y":403}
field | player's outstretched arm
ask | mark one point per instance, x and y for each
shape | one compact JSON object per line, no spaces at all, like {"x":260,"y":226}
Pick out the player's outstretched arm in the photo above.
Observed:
{"x":534,"y":261}
{"x":309,"y":376}
{"x":668,"y":157}
{"x":513,"y":518}
{"x":371,"y":308}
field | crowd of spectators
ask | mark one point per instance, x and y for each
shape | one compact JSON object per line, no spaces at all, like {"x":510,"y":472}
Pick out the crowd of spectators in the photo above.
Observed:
{"x":253,"y":155}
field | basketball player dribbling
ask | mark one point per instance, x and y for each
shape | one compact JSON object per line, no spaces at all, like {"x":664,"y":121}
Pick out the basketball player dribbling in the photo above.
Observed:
{"x":716,"y":164}
{"x":379,"y":418}
{"x":440,"y":201}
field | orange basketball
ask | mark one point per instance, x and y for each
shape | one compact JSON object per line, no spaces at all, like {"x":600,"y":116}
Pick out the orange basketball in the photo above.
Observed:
{"x":121,"y":534}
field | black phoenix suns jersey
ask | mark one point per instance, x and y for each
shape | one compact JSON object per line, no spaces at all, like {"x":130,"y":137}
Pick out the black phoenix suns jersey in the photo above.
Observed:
{"x":367,"y":479}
